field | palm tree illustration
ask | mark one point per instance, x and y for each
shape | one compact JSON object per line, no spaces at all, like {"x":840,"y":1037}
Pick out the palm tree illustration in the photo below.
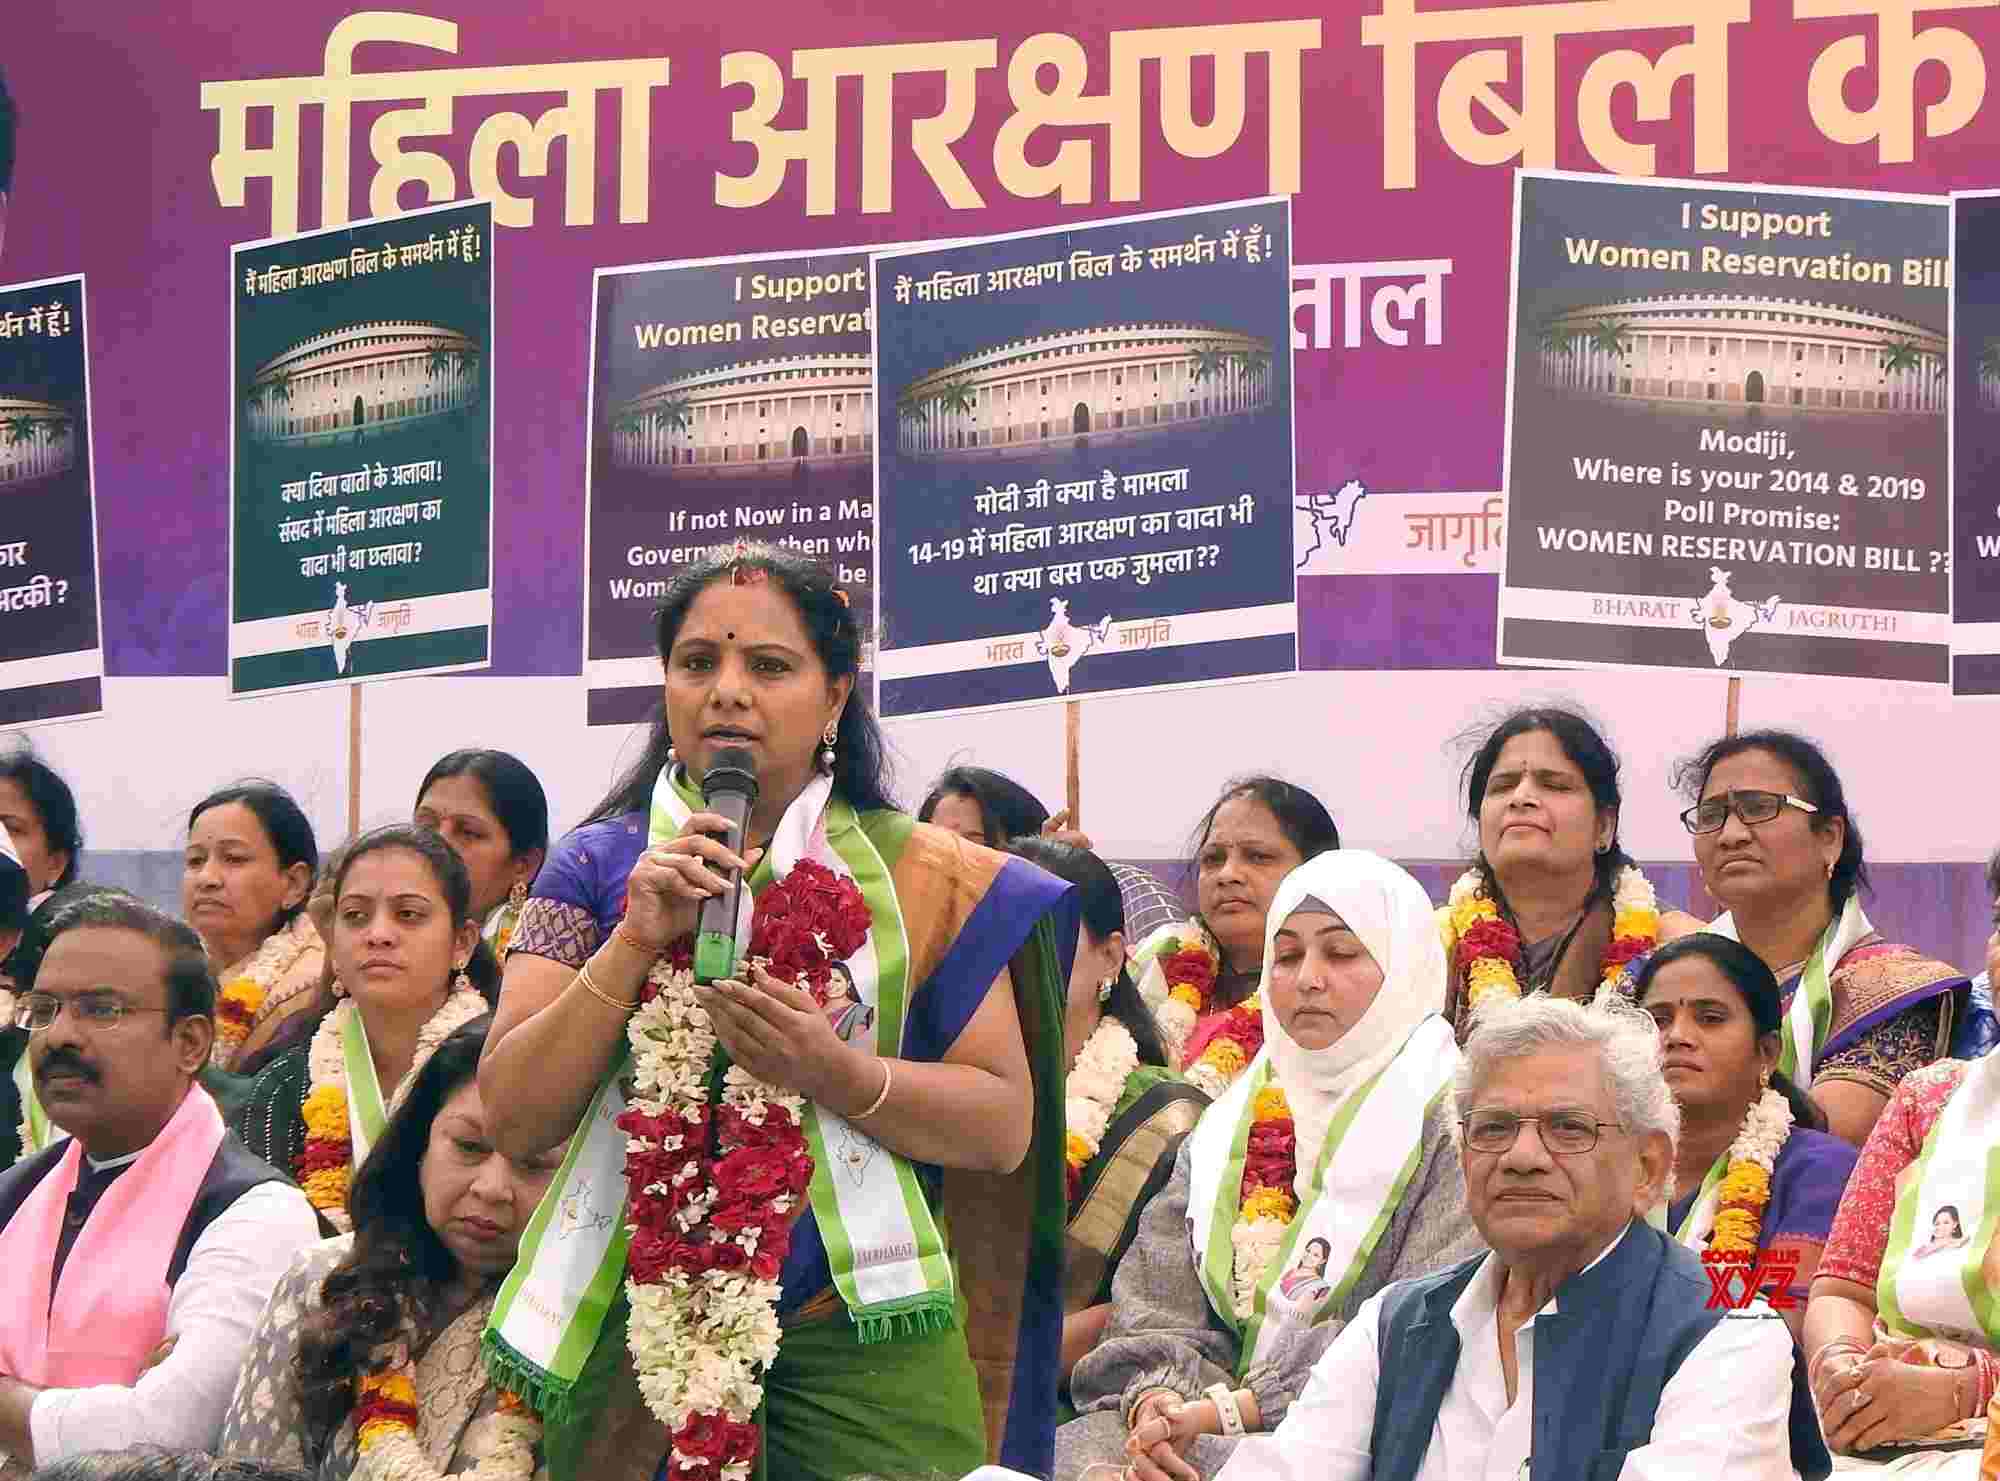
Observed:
{"x":1256,"y":365}
{"x":1210,"y":363}
{"x":673,"y":416}
{"x":1903,"y":355}
{"x":954,"y":398}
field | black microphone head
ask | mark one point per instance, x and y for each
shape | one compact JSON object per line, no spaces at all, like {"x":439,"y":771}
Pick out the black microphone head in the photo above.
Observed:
{"x":733,"y":772}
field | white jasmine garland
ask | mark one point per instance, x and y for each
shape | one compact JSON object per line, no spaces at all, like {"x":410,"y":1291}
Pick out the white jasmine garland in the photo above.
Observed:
{"x":1097,"y":1080}
{"x":1255,"y":1243}
{"x":1766,"y":1128}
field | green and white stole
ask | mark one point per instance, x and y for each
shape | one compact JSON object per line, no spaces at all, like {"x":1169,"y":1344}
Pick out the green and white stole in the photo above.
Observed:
{"x":1928,"y":1290}
{"x":1373,"y":1146}
{"x":1700,"y":1221}
{"x":36,"y":1130}
{"x":367,"y":1113}
{"x":887,"y":1254}
{"x":1811,"y":1012}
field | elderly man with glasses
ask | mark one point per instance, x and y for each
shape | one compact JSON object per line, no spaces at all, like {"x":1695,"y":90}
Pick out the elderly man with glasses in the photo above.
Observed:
{"x":137,"y":1253}
{"x":1584,"y":1347}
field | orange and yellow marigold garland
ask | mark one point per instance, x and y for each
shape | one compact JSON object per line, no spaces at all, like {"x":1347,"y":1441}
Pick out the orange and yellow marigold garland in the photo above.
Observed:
{"x":1486,"y":949}
{"x":1745,"y":1190}
{"x":324,"y":1165}
{"x":1266,"y":1202}
{"x":1179,"y":966}
{"x":1223,"y":1050}
{"x":385,"y":1434}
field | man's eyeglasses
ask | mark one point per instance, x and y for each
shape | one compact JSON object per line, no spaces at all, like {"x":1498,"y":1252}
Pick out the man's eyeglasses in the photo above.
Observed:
{"x":1751,"y":807}
{"x":36,"y":1011}
{"x":1563,"y":1132}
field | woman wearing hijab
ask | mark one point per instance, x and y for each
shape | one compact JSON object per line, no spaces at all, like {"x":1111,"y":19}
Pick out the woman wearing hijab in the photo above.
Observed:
{"x":1338,"y":1133}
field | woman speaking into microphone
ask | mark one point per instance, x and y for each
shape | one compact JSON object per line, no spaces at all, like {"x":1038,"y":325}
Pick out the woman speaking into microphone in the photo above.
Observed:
{"x":786,"y":1290}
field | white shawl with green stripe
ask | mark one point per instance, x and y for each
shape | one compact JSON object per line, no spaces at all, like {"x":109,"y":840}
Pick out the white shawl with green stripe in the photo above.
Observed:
{"x":1358,"y":1105}
{"x":1933,"y":1284}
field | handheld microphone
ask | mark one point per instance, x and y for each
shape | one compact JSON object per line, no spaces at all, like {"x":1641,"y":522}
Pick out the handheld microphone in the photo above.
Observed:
{"x":729,"y":788}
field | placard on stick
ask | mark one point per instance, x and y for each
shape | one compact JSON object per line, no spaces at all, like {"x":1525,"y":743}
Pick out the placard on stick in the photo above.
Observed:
{"x":1084,"y":460}
{"x":1726,"y":443}
{"x":51,"y":654}
{"x":361,"y":470}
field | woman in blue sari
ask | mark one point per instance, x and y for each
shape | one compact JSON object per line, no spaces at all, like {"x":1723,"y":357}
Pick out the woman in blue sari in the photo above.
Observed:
{"x":955,"y":1093}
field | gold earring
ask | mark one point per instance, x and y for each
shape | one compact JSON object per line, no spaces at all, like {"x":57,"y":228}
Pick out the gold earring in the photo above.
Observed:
{"x":461,"y":983}
{"x":1764,"y":1080}
{"x":826,"y":739}
{"x":518,"y":896}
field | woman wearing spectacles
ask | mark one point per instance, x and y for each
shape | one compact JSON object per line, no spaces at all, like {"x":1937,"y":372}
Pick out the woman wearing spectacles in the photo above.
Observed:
{"x":1778,"y":848}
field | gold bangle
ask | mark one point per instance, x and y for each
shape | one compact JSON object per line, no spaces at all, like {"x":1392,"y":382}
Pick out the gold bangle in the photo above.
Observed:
{"x":583,"y":977}
{"x":888,"y":1078}
{"x":627,"y":939}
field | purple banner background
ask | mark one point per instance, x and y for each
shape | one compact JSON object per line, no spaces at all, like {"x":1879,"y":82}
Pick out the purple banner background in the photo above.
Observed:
{"x":114,"y":181}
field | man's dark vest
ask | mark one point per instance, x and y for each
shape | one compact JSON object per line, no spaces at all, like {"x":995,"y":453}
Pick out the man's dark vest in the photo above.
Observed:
{"x":1621,"y":1330}
{"x":231,"y":1174}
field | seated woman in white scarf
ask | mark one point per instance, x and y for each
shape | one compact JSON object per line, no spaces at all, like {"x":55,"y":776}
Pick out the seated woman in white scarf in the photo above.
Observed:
{"x":1334,"y":1148}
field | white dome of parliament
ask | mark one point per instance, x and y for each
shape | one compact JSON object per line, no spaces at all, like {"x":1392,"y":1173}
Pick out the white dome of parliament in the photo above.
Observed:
{"x":1780,"y":352}
{"x":37,"y":440}
{"x":360,"y":381}
{"x":1109,"y":379}
{"x":814,"y":408}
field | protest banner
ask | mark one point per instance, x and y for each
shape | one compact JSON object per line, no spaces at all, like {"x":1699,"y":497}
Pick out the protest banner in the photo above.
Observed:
{"x":1084,"y":460}
{"x":1975,"y":445}
{"x":1727,"y":437}
{"x":731,"y":399}
{"x":361,"y":473}
{"x":51,"y":655}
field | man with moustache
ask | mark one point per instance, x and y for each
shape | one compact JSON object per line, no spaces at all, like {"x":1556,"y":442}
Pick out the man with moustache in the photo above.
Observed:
{"x":137,"y":1253}
{"x":1583,"y":1345}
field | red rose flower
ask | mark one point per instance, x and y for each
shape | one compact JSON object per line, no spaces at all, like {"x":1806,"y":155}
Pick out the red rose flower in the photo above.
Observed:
{"x":647,"y":1255}
{"x":1489,"y":938}
{"x":703,"y":1437}
{"x":318,"y":1156}
{"x":739,"y":1441}
{"x":1625,"y":949}
{"x":754,"y":1172}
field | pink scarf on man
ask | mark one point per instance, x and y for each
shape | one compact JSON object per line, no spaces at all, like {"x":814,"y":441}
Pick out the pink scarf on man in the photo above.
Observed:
{"x":110,"y":1311}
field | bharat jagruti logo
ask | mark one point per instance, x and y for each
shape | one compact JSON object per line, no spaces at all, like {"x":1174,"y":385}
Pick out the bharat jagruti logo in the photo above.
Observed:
{"x":1065,"y":645}
{"x":342,"y":623}
{"x":1330,"y":519}
{"x":1723,"y":617}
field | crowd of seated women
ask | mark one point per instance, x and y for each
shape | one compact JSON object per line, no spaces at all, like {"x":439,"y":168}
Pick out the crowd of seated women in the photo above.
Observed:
{"x":414,"y":1029}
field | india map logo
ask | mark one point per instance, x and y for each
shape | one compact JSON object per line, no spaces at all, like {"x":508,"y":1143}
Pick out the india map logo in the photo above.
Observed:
{"x":1723,"y":618}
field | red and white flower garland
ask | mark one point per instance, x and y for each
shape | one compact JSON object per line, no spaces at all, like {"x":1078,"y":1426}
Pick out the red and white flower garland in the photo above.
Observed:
{"x":716,"y":1183}
{"x":1178,"y":984}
